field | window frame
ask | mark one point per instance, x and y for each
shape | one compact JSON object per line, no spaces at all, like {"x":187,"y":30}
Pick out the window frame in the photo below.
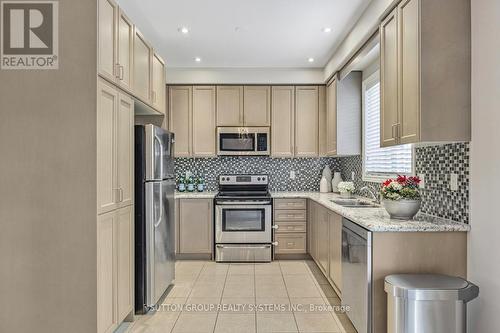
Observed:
{"x":376,"y":177}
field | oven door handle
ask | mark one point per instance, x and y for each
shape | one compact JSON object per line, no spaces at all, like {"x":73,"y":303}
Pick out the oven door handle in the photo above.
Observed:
{"x":244,"y":203}
{"x":265,"y":246}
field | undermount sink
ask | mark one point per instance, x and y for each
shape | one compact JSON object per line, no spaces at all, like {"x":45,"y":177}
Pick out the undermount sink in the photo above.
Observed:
{"x":353,"y":203}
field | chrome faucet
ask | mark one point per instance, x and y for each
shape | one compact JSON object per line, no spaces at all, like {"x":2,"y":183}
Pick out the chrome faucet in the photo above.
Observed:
{"x":373,"y":193}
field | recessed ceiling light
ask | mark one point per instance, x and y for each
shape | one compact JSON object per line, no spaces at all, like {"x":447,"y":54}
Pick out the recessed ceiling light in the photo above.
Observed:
{"x":310,"y":59}
{"x":183,"y":30}
{"x":197,"y":59}
{"x":327,"y":30}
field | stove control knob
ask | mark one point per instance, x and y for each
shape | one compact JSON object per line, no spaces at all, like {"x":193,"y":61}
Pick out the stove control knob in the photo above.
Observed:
{"x":258,"y":179}
{"x":263,"y":178}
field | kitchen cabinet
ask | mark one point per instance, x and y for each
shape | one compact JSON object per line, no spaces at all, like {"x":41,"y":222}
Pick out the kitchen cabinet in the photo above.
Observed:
{"x":283,"y":121}
{"x":257,"y":105}
{"x":290,"y":216}
{"x":343,"y":115}
{"x":331,"y":118}
{"x":115,"y":265}
{"x":192,"y":117}
{"x":322,"y":238}
{"x":335,"y":249}
{"x":158,"y":83}
{"x":322,"y":126}
{"x":107,"y":39}
{"x":115,"y":121}
{"x":195,"y":226}
{"x":229,"y":105}
{"x":125,"y":51}
{"x":306,"y":121}
{"x":204,"y":122}
{"x":425,"y":53}
{"x":180,"y":112}
{"x":142,"y":67}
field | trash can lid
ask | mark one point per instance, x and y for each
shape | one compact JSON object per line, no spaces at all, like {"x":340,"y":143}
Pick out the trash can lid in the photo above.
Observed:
{"x":430,"y":287}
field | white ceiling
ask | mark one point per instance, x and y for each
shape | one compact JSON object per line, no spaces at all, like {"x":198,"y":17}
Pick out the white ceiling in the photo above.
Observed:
{"x":245,"y":33}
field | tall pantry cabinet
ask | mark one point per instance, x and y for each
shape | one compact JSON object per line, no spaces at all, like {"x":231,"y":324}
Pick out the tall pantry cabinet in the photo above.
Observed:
{"x":128,"y":69}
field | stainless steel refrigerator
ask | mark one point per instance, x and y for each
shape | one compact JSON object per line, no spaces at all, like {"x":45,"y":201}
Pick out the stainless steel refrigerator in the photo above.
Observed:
{"x":154,"y":215}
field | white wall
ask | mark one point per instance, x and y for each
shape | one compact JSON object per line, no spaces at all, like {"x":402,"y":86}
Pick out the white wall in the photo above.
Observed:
{"x":364,"y":28}
{"x":484,"y":239}
{"x":244,"y":75}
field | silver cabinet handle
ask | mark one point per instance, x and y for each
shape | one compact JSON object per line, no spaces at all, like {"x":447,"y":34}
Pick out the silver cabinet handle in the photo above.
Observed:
{"x":121,"y":72}
{"x":393,"y":130}
{"x":275,"y":243}
{"x":276,"y":227}
{"x":121,"y":194}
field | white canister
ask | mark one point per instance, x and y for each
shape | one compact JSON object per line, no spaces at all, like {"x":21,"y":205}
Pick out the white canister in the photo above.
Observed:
{"x":323,"y":185}
{"x":337,"y":178}
{"x":327,"y":173}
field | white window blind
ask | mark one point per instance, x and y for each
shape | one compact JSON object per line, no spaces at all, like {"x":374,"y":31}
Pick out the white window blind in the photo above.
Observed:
{"x":380,"y":162}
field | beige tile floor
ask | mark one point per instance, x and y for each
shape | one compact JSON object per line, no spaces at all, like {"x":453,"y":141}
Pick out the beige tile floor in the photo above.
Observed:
{"x":282,"y":296}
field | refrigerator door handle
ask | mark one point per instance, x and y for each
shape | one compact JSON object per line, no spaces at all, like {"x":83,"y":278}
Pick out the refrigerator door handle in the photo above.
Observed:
{"x":156,"y":139}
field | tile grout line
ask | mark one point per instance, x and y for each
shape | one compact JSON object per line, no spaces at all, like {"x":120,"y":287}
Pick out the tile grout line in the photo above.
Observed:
{"x":189,"y":294}
{"x":289,"y":298}
{"x":221,"y":297}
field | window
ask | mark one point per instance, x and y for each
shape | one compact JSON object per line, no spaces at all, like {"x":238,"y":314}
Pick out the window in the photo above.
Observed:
{"x":380,"y":163}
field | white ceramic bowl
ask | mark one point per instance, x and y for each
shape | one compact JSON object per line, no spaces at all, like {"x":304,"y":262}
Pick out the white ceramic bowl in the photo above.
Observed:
{"x":402,"y":209}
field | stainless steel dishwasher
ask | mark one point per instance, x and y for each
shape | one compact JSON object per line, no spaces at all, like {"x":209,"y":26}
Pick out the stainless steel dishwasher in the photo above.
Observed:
{"x":357,"y":275}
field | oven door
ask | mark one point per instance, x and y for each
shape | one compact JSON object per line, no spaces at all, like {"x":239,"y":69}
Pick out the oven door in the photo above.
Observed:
{"x":243,"y":224}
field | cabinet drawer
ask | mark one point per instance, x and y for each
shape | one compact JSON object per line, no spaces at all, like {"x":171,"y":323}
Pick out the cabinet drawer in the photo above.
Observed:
{"x":291,"y":243}
{"x":290,"y":204}
{"x":284,"y":227}
{"x":289,"y":215}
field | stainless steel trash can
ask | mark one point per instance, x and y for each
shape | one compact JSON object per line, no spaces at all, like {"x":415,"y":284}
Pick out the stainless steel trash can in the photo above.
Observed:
{"x":418,"y":303}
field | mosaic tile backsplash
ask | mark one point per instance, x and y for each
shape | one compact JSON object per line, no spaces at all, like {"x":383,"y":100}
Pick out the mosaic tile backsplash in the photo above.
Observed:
{"x":307,"y":170}
{"x":435,"y":162}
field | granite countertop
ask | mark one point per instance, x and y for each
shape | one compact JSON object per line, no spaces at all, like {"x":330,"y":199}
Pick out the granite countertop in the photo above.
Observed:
{"x":374,"y":219}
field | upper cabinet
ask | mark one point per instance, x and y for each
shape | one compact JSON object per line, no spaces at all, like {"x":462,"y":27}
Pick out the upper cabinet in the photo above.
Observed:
{"x":243,"y":106}
{"x":127,"y":60}
{"x":107,"y":33}
{"x":158,"y":83}
{"x":425,"y":72}
{"x":192,"y":117}
{"x":283,"y":121}
{"x":257,"y":105}
{"x":142,"y":67}
{"x":125,"y":51}
{"x":306,"y":121}
{"x":230,"y":106}
{"x":331,"y":118}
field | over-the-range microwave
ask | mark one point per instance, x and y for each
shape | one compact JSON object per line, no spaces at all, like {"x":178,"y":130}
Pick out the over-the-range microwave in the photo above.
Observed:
{"x":243,"y":141}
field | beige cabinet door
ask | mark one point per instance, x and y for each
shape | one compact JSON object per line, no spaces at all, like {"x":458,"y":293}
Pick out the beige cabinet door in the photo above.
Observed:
{"x":158,"y":83}
{"x":142,"y":67}
{"x":125,"y":51}
{"x":125,"y":150}
{"x":389,"y":78}
{"x":195,"y":226}
{"x":322,"y":238}
{"x":106,"y":311}
{"x":229,"y":106}
{"x":409,"y":52}
{"x":311,"y":229}
{"x":335,"y":249}
{"x":123,"y":232}
{"x":331,"y":118}
{"x":257,"y":105}
{"x":282,"y":124}
{"x":204,"y":121}
{"x":107,"y":35}
{"x":107,"y":104}
{"x":306,"y":121}
{"x":180,"y":112}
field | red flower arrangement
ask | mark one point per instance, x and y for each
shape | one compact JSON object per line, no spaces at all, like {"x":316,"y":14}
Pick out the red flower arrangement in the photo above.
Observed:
{"x":403,"y":187}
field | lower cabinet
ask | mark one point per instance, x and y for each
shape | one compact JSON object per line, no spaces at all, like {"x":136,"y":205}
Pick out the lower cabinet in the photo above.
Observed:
{"x":195,"y":226}
{"x":115,"y":267}
{"x":335,"y":249}
{"x":325,"y":242}
{"x":290,"y":216}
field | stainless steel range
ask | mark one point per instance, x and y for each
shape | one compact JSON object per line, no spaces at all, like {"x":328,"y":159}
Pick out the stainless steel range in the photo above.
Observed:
{"x":243,"y":219}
